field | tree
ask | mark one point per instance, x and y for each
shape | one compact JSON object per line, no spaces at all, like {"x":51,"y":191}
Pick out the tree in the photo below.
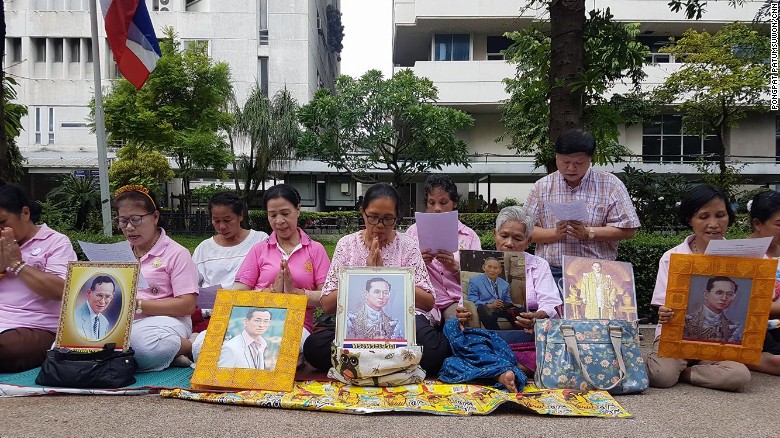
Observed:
{"x":178,"y":112}
{"x":723,"y":77}
{"x":11,"y":114}
{"x":136,"y":166}
{"x":612,"y":54}
{"x":270,"y":127}
{"x":79,"y":193}
{"x":369,"y":124}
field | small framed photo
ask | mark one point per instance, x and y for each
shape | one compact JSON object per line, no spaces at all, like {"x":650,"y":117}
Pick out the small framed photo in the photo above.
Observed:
{"x":598,"y":289}
{"x":721,"y":307}
{"x":98,"y":305}
{"x":493,"y":286}
{"x":252,"y":342}
{"x":375,"y":308}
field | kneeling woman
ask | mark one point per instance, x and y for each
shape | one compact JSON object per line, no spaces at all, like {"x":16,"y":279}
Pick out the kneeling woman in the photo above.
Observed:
{"x":162,"y":325}
{"x":380,"y":245}
{"x":706,"y":211}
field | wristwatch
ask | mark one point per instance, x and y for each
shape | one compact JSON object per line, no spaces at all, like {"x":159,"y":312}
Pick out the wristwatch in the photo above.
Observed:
{"x":138,"y":309}
{"x":591,"y":233}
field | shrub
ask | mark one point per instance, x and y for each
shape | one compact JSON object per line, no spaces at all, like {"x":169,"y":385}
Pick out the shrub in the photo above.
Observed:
{"x":478,"y":221}
{"x":654,"y":196}
{"x":508,"y":202}
{"x":347,"y":219}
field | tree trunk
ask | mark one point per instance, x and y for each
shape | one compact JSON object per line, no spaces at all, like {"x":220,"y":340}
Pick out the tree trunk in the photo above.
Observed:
{"x":722,"y":155}
{"x":567,"y":62}
{"x":6,"y":171}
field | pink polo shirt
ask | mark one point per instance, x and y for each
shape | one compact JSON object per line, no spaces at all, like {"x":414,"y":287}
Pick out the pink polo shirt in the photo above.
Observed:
{"x":47,"y":251}
{"x":308,"y":264}
{"x":169,"y":270}
{"x":445,"y":283}
{"x":662,"y":279}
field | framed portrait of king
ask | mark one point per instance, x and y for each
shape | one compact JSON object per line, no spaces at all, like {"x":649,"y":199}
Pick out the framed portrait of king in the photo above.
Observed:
{"x":375,"y":308}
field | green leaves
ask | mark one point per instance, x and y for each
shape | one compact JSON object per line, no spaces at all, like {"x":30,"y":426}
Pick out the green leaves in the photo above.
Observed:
{"x":369,"y":123}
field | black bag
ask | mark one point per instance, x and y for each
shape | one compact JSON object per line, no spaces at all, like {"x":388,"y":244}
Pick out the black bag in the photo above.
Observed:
{"x":100,"y":369}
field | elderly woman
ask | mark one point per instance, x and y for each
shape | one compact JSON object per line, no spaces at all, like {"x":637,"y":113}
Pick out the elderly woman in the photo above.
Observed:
{"x":33,"y":263}
{"x":441,"y":196}
{"x":706,"y":211}
{"x":162,"y":323}
{"x":380,"y":245}
{"x":514,"y":226}
{"x":765,"y":217}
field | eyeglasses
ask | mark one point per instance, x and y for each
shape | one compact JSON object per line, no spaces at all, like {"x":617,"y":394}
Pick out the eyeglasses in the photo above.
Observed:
{"x":728,"y":294}
{"x":387,"y":221}
{"x":135,"y":220}
{"x":102,"y":297}
{"x":377,"y":292}
{"x":262,"y":321}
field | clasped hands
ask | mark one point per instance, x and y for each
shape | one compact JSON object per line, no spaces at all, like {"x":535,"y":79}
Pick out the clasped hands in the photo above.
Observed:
{"x":10,"y":254}
{"x":575,"y":229}
{"x":446,"y":258}
{"x":526,"y":320}
{"x":283,"y":282}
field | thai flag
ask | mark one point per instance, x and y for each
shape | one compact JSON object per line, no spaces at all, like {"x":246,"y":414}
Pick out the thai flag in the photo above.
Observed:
{"x":131,"y":37}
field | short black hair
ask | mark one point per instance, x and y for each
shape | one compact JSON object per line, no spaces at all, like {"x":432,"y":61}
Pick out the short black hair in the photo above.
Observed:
{"x":285,"y":191}
{"x":712,"y":281}
{"x":764,"y":205}
{"x":377,"y":279}
{"x":101,"y":279}
{"x":574,"y":141}
{"x":382,"y":190}
{"x":13,"y":198}
{"x":228,"y":199}
{"x":257,"y":309}
{"x":697,"y":198}
{"x":443,"y":182}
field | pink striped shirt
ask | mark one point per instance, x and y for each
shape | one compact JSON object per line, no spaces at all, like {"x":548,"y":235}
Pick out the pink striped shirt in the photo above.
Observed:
{"x":608,"y":205}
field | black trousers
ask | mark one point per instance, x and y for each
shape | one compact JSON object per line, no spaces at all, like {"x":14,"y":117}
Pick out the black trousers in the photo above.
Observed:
{"x":489,"y":316}
{"x":435,"y":347}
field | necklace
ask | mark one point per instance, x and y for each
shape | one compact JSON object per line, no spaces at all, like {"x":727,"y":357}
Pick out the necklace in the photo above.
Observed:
{"x":138,"y":256}
{"x":693,"y":246}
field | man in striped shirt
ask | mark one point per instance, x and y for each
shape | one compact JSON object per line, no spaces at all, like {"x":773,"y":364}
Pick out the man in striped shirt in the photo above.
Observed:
{"x":610,"y":217}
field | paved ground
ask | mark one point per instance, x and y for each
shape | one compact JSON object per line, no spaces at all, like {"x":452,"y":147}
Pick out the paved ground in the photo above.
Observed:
{"x":682,"y":411}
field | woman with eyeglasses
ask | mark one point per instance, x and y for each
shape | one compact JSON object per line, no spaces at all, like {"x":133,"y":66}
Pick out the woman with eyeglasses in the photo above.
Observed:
{"x":33,"y":264}
{"x":380,"y":245}
{"x":162,"y":326}
{"x":707,"y":212}
{"x":764,"y":211}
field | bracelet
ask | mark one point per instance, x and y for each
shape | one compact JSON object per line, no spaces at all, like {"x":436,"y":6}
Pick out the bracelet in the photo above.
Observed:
{"x":18,"y":267}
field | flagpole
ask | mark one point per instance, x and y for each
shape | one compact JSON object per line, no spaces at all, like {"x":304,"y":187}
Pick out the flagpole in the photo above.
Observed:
{"x":100,"y":127}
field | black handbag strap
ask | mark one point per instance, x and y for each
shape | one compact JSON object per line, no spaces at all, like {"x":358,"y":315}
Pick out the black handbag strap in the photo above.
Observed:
{"x":107,"y":353}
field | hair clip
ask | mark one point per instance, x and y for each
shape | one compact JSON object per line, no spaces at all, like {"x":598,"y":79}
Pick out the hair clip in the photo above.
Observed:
{"x":135,"y":188}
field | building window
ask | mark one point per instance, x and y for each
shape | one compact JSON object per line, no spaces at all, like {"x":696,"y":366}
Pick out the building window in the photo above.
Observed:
{"x":664,"y":141}
{"x":37,"y":126}
{"x":56,"y":47}
{"x":656,"y":43}
{"x":452,"y":47}
{"x":74,"y":45}
{"x":198,"y":44}
{"x":263,"y":73}
{"x":51,"y":125}
{"x":14,"y":49}
{"x":262,"y":22}
{"x":40,"y":49}
{"x":73,"y":125}
{"x":89,"y":50}
{"x":496,"y":44}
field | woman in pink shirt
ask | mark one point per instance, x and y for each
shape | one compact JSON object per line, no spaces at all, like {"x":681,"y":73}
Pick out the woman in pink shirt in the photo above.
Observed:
{"x":33,"y":263}
{"x":380,"y":245}
{"x":707,"y":212}
{"x":287,"y":261}
{"x":162,"y":323}
{"x":441,"y":196}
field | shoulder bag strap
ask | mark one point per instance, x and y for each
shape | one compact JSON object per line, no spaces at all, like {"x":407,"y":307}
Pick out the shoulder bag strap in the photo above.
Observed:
{"x":615,"y":337}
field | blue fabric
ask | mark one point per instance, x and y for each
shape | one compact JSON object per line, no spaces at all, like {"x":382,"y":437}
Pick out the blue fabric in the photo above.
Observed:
{"x":477,"y":354}
{"x":481,"y":290}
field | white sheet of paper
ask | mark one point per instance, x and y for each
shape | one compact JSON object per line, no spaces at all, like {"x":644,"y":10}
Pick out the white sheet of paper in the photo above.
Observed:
{"x":569,"y":211}
{"x":753,"y":248}
{"x":112,"y":252}
{"x":437,"y":230}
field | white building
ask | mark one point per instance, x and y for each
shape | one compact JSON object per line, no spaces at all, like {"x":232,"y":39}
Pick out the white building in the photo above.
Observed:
{"x":457,"y":44}
{"x":276,"y":43}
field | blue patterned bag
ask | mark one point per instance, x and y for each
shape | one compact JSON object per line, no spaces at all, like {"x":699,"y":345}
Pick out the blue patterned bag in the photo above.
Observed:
{"x":589,"y":354}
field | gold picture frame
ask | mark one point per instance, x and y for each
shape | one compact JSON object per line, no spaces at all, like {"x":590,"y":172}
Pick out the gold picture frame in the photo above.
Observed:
{"x":98,"y":306}
{"x":741,"y":290}
{"x":598,"y":289}
{"x":230,"y":358}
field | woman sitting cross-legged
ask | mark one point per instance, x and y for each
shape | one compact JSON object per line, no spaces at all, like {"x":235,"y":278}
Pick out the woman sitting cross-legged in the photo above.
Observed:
{"x":380,"y":245}
{"x":512,"y":233}
{"x":162,"y":326}
{"x":706,"y":211}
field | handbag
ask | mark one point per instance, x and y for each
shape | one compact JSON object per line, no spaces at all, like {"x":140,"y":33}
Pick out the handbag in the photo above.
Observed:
{"x":99,"y":369}
{"x":381,"y":367}
{"x":589,"y":354}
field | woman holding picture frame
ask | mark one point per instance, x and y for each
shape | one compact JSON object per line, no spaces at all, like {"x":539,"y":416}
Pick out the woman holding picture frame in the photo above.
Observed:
{"x":764,"y":211}
{"x":33,"y":265}
{"x":707,"y":212}
{"x":380,"y":245}
{"x":162,"y":325}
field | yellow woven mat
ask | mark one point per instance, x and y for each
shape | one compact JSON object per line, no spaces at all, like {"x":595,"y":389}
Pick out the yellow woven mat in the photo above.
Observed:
{"x":431,"y":397}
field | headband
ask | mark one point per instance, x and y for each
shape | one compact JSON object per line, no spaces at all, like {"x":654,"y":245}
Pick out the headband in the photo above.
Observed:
{"x":135,"y":188}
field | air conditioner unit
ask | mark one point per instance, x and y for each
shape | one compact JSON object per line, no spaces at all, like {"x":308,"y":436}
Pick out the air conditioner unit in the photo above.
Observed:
{"x":345,"y":188}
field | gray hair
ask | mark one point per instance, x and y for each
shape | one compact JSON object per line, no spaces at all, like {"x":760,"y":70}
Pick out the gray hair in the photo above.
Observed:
{"x":515,"y":213}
